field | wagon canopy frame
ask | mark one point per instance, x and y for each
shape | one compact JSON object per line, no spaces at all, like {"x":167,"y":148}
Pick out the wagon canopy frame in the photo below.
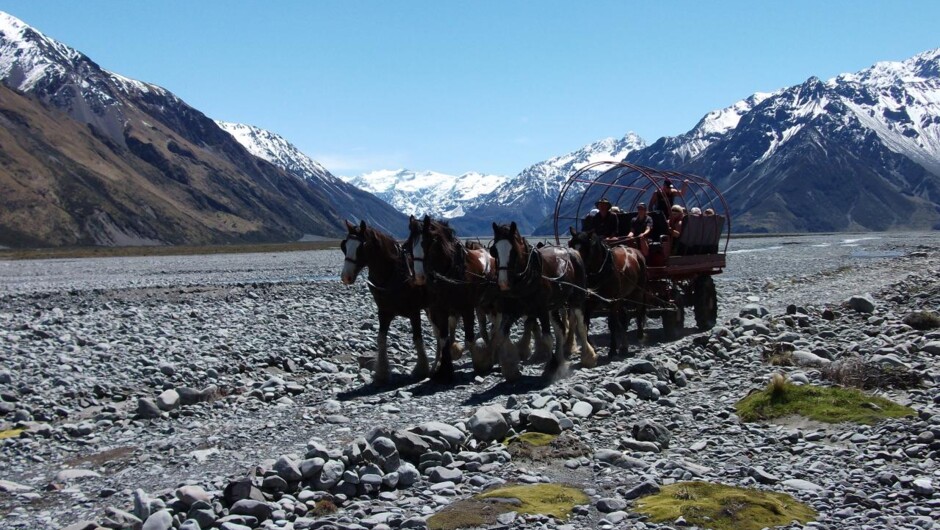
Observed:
{"x":625,"y":185}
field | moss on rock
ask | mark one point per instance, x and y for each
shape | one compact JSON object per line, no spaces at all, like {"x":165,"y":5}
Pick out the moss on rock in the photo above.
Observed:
{"x":721,"y":507}
{"x":556,"y":500}
{"x":826,"y":404}
{"x":538,"y":439}
{"x":10,"y":433}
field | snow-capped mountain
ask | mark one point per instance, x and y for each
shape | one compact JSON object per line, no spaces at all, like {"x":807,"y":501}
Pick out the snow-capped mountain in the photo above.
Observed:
{"x":858,"y":152}
{"x":98,"y":158}
{"x":427,"y":192}
{"x":530,"y":196}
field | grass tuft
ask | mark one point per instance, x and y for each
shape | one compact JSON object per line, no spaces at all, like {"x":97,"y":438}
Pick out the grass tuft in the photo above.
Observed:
{"x":723,"y":507}
{"x":826,"y":404}
{"x":537,"y":439}
{"x":324,"y":507}
{"x":10,"y":433}
{"x":922,"y":320}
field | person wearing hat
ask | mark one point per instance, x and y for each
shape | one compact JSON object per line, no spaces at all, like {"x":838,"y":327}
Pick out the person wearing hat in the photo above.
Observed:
{"x":641,"y":227}
{"x":606,"y":223}
{"x":664,"y":197}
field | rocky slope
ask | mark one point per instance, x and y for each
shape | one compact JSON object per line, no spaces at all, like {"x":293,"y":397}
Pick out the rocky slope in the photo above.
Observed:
{"x":857,"y":152}
{"x":94,"y":158}
{"x":145,"y":398}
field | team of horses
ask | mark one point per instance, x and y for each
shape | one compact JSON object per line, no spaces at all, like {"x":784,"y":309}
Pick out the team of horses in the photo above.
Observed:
{"x":552,"y":290}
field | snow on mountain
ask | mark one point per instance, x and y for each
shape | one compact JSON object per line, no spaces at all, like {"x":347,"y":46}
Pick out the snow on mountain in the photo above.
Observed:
{"x":427,"y":192}
{"x":530,"y":196}
{"x":275,"y":149}
{"x":900,"y":102}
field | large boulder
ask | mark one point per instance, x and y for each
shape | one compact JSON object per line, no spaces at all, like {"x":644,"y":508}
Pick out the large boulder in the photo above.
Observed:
{"x":488,"y":424}
{"x":651,"y":431}
{"x":862,"y":303}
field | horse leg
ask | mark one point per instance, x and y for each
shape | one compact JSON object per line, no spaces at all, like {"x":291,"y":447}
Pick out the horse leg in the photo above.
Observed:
{"x":588,"y":355}
{"x":456,"y":349}
{"x":557,"y":360}
{"x":565,"y":317}
{"x":480,"y":348}
{"x":640,"y":319}
{"x":421,"y":369}
{"x":525,"y":344}
{"x":381,"y":361}
{"x":507,"y":351}
{"x":445,"y":363}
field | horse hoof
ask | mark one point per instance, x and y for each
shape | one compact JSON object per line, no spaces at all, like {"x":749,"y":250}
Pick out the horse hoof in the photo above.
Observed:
{"x":589,"y":362}
{"x":380,"y":378}
{"x":456,"y":351}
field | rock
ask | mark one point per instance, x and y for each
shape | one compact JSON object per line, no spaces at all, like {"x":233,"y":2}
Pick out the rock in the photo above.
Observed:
{"x":923,"y":487}
{"x":191,"y":396}
{"x":147,"y":409}
{"x":488,"y":424}
{"x":762,"y":476}
{"x":641,"y":490}
{"x":141,"y":504}
{"x":638,"y":446}
{"x":122,"y":519}
{"x":890,"y":360}
{"x":932,"y":347}
{"x":410,"y":445}
{"x":310,"y":467}
{"x":863,"y":303}
{"x":801,"y":485}
{"x":241,"y":489}
{"x":443,"y":474}
{"x":75,"y":474}
{"x":287,"y":469}
{"x":607,"y":505}
{"x":543,"y":421}
{"x":644,"y":389}
{"x":258,"y":509}
{"x":754,"y":311}
{"x":330,"y":475}
{"x":408,"y":475}
{"x":191,"y":494}
{"x":82,"y":525}
{"x":12,"y":487}
{"x":806,"y":358}
{"x":161,"y":520}
{"x":582,"y":409}
{"x":651,"y":431}
{"x":441,"y":430}
{"x":168,"y":400}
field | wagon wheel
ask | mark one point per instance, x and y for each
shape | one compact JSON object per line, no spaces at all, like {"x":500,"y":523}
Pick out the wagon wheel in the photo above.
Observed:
{"x":706,"y":303}
{"x":674,"y":321}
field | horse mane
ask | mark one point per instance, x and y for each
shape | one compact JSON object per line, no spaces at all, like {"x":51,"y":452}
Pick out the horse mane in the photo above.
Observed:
{"x":386,"y":244}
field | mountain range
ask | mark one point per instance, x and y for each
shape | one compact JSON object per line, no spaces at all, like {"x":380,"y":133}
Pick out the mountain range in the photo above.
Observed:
{"x":89,"y":157}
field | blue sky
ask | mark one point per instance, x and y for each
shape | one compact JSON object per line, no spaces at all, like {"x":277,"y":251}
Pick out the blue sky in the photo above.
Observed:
{"x":490,"y":86}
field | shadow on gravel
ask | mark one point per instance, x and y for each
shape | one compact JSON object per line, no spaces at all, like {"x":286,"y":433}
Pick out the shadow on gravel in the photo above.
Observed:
{"x":526,"y":383}
{"x":396,"y":382}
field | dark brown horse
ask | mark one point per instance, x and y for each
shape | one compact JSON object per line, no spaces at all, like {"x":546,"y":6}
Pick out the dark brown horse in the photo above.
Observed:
{"x":547,"y":283}
{"x":461,"y":283}
{"x":391,"y":285}
{"x":618,"y":276}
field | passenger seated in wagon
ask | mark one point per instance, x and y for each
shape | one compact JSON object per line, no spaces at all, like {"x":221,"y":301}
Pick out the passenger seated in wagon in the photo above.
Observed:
{"x":640,"y":228}
{"x":674,"y":226}
{"x":605,"y":224}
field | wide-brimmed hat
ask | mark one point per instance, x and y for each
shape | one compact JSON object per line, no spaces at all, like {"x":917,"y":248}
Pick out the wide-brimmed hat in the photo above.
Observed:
{"x":603,"y":200}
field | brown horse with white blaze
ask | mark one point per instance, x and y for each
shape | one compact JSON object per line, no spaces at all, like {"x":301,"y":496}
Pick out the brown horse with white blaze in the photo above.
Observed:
{"x":547,"y":283}
{"x":461,"y":284}
{"x":391,"y":285}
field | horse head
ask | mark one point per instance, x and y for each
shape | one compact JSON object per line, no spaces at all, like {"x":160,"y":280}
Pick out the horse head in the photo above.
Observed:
{"x":509,"y":248}
{"x":354,"y":251}
{"x":588,"y":244}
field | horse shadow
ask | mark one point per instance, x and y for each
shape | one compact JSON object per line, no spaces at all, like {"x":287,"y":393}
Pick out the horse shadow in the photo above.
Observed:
{"x":524,"y":384}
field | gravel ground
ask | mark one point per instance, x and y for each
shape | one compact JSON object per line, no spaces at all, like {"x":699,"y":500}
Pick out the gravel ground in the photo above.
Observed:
{"x":262,"y":352}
